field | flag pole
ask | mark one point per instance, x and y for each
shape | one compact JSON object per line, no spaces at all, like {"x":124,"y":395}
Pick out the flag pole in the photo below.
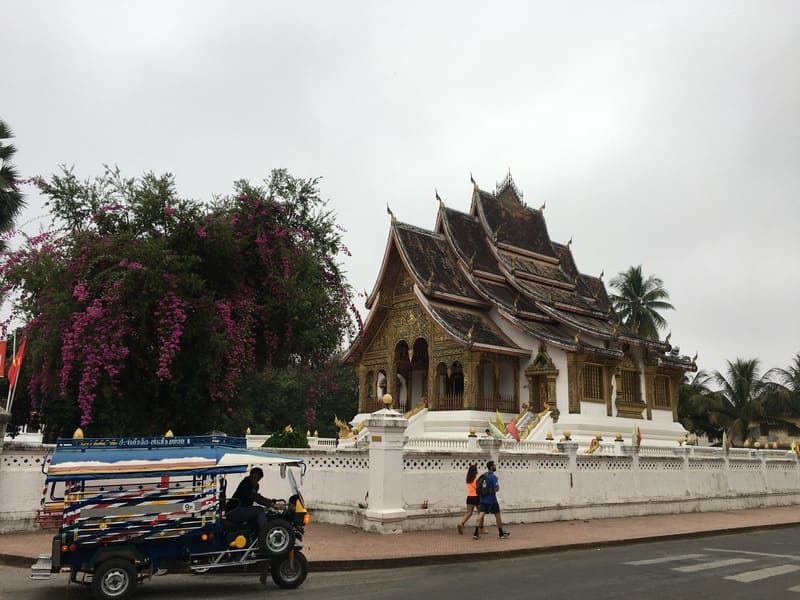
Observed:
{"x":13,"y":353}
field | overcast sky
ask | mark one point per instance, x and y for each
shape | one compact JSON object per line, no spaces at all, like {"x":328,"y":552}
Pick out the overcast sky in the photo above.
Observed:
{"x":665,"y":134}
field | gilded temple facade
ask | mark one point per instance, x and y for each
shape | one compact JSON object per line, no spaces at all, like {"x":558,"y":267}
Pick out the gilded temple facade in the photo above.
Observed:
{"x":486,"y":313}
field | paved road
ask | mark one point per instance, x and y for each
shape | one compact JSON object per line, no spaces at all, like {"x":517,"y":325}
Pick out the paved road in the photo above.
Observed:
{"x":764,"y":564}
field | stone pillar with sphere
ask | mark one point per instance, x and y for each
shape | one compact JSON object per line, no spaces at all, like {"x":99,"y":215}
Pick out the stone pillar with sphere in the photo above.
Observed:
{"x":385,"y":512}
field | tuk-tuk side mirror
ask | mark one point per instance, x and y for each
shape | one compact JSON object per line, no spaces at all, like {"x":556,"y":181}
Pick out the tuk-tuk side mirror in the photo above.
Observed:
{"x":283,"y":471}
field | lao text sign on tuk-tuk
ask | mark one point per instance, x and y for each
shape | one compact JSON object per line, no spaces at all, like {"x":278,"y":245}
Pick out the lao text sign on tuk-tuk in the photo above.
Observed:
{"x":130,"y":508}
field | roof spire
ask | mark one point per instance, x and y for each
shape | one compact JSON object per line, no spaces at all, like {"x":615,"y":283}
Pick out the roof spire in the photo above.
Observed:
{"x":472,"y":180}
{"x":569,"y":243}
{"x":441,"y":203}
{"x":694,"y":358}
{"x":666,"y":339}
{"x":602,"y":272}
{"x":541,"y":208}
{"x":391,"y":214}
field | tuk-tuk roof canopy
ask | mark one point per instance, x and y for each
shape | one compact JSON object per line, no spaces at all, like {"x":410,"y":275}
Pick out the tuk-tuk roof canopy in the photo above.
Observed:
{"x":109,"y":458}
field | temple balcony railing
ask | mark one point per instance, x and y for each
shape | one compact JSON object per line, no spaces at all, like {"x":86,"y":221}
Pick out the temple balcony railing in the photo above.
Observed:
{"x":505,"y":403}
{"x":450,"y":402}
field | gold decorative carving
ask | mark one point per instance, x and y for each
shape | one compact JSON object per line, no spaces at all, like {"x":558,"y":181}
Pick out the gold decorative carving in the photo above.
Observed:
{"x":344,"y":428}
{"x":421,"y":405}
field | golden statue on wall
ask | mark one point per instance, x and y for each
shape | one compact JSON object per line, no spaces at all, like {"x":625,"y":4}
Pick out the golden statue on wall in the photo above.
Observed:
{"x":344,"y":429}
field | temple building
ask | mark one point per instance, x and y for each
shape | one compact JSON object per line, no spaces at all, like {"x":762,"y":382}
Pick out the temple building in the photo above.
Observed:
{"x":485,"y":313}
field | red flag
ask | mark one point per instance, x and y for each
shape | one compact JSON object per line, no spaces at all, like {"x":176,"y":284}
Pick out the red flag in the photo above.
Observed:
{"x":3,"y":346}
{"x":512,"y":429}
{"x":13,"y":370}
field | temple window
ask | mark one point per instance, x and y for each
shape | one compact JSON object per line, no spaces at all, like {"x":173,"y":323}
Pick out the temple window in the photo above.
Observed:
{"x":661,"y":389}
{"x":631,"y":390}
{"x":592,"y":382}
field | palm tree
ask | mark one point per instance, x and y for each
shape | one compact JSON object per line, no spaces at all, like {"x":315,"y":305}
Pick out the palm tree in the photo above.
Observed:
{"x":639,"y":302}
{"x":787,"y":382}
{"x":11,"y":201}
{"x":696,"y":403}
{"x":748,"y":396}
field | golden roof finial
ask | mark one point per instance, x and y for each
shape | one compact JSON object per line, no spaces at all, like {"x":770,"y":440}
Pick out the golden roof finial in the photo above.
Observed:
{"x":391,"y":214}
{"x":541,"y":208}
{"x":472,"y":181}
{"x":441,"y":202}
{"x":569,"y":243}
{"x":602,"y":272}
{"x":469,"y":333}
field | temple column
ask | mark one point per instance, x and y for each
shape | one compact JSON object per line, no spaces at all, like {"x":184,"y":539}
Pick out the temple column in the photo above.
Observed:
{"x":469,"y":400}
{"x":363,"y":392}
{"x":674,"y":384}
{"x":649,"y":372}
{"x":433,"y":388}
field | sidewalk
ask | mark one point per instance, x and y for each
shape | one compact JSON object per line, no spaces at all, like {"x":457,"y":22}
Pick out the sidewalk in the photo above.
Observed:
{"x":341,"y":548}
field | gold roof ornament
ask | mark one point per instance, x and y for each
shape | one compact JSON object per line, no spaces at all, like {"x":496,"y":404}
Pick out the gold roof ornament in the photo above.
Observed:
{"x":391,"y":214}
{"x":169,"y":434}
{"x":541,"y":208}
{"x":78,"y":435}
{"x":577,"y":339}
{"x":439,"y":198}
{"x":472,"y":181}
{"x":469,"y":333}
{"x":602,"y":272}
{"x":569,"y":243}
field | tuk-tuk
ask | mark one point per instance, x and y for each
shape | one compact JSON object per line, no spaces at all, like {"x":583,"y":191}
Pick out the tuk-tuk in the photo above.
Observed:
{"x":130,"y":508}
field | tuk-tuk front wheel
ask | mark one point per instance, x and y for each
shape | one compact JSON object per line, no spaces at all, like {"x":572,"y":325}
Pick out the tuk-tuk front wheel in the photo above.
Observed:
{"x":114,"y":579}
{"x":289,"y":572}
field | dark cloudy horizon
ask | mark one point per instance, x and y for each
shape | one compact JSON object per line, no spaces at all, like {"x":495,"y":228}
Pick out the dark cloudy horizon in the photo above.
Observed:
{"x":665,"y":134}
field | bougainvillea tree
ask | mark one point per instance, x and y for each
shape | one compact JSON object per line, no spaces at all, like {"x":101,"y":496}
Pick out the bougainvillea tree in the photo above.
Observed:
{"x":145,"y":311}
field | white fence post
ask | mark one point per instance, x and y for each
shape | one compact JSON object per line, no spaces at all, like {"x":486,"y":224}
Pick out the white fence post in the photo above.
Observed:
{"x":385,"y":512}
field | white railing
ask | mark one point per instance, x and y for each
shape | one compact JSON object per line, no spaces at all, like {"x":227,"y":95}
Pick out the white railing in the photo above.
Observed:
{"x":431,"y":444}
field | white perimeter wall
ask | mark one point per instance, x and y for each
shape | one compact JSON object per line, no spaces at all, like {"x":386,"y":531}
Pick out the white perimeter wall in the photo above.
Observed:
{"x":535,"y":486}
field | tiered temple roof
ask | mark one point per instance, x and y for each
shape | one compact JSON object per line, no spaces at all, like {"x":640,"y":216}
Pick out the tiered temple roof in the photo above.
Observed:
{"x":498,"y":262}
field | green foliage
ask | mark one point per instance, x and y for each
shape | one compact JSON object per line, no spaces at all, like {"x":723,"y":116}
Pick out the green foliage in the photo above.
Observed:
{"x":146,"y":311}
{"x":639,"y":301}
{"x":11,"y":200}
{"x":287,"y":439}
